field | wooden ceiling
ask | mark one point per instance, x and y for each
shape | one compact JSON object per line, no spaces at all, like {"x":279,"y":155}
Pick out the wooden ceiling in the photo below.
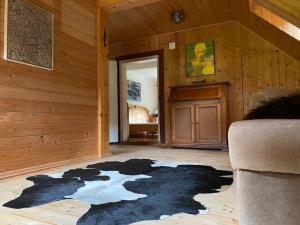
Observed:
{"x":152,"y":19}
{"x":287,"y":9}
{"x":136,"y":19}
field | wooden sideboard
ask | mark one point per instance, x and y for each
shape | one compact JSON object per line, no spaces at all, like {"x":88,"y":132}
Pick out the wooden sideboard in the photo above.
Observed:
{"x":199,"y":116}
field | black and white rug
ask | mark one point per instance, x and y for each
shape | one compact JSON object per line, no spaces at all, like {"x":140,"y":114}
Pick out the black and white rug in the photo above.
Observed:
{"x":121,"y":193}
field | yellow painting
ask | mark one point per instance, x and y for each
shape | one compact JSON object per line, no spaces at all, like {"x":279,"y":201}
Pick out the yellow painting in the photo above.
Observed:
{"x":200,"y":60}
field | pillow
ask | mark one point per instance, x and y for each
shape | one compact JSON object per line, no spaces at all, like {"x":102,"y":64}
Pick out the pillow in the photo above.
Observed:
{"x":287,"y":107}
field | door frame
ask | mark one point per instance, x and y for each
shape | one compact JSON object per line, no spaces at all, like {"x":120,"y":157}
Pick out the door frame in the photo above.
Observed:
{"x":161,"y":87}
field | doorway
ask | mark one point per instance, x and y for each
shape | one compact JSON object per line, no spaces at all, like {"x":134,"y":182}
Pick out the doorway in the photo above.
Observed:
{"x":140,"y":99}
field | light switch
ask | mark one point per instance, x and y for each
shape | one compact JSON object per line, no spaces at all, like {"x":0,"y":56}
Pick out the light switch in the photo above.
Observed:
{"x":172,"y":45}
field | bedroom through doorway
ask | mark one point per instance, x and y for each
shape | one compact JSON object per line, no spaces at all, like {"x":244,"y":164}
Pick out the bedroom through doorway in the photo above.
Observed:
{"x":139,"y":102}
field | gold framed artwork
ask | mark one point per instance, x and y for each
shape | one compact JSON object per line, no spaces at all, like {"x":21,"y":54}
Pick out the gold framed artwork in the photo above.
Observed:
{"x":200,"y":59}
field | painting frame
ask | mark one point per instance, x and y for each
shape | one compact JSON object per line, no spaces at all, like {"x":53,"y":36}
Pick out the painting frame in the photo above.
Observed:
{"x":200,"y":59}
{"x":6,"y":52}
{"x":134,"y":91}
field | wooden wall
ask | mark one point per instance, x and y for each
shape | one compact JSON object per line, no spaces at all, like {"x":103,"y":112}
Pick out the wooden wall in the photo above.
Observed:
{"x":51,"y":116}
{"x":244,"y":59}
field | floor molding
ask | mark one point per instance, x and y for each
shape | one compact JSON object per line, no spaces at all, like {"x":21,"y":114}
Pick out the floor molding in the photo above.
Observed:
{"x":20,"y":172}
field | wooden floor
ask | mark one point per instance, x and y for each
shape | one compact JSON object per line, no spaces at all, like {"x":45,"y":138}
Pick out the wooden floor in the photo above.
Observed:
{"x":222,"y":205}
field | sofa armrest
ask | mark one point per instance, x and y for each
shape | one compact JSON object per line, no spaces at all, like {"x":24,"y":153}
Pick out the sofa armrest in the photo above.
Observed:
{"x":269,"y":145}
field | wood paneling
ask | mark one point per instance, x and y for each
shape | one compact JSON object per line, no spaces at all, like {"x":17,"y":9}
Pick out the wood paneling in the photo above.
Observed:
{"x":234,"y":45}
{"x":51,"y":116}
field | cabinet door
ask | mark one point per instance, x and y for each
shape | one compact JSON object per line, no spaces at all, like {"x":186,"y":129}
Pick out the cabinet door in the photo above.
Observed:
{"x":183,"y":124}
{"x":208,"y":123}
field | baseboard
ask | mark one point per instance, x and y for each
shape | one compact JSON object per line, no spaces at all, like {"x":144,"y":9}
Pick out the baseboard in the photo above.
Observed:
{"x":202,"y":146}
{"x":20,"y":172}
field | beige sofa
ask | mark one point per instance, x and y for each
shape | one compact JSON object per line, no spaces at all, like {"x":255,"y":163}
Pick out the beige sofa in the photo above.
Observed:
{"x":266,"y":155}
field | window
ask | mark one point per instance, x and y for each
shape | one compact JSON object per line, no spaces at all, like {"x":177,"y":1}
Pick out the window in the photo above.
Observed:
{"x":274,"y":19}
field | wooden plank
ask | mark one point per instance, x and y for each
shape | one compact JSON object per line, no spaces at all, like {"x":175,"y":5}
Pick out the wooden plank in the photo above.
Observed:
{"x":28,"y":129}
{"x":28,"y":167}
{"x":44,"y":118}
{"x":12,"y":143}
{"x":31,"y":94}
{"x":102,"y":81}
{"x":8,"y":218}
{"x":8,"y":157}
{"x":113,"y":6}
{"x":17,"y":80}
{"x":22,"y":105}
{"x":20,"y":167}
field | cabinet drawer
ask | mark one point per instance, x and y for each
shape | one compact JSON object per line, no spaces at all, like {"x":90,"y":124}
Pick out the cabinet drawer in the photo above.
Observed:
{"x":201,"y":93}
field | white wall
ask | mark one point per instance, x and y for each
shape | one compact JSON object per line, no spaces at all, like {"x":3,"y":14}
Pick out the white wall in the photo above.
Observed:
{"x":149,"y":87}
{"x":113,"y":102}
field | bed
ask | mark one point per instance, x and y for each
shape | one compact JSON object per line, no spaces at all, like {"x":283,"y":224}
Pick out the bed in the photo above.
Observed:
{"x":141,"y":122}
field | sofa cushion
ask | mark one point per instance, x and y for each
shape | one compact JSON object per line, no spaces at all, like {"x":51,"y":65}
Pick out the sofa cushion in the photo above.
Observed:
{"x":265,"y":145}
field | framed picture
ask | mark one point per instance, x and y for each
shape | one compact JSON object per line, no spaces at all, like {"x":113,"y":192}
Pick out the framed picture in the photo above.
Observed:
{"x":200,"y":59}
{"x":28,"y":35}
{"x":134,"y":91}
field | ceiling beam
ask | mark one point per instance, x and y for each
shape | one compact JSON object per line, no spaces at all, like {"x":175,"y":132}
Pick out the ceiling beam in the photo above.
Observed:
{"x":112,"y":6}
{"x":287,"y":9}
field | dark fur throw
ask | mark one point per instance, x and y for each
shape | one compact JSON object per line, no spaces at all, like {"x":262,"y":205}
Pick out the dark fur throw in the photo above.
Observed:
{"x":278,"y":108}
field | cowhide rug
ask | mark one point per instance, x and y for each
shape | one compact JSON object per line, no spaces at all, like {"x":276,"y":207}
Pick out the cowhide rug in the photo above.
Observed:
{"x":121,"y":193}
